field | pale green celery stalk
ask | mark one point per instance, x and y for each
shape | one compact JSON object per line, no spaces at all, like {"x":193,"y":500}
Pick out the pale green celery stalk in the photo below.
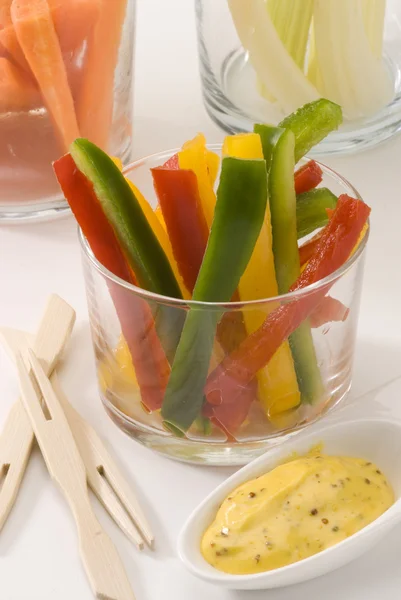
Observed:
{"x":373,"y":15}
{"x":351,"y":73}
{"x":274,"y":66}
{"x":292,"y":20}
{"x":313,"y":68}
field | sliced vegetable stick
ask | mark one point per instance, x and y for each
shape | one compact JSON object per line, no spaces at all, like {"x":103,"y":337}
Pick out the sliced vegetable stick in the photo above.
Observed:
{"x":96,"y":97}
{"x":268,"y":55}
{"x":156,"y":221}
{"x":17,"y":90}
{"x":74,"y":21}
{"x":10,"y":47}
{"x":177,"y":190}
{"x":339,"y":237}
{"x":195,"y":157}
{"x":137,"y":324}
{"x":37,"y":36}
{"x":277,"y":382}
{"x":5,"y":18}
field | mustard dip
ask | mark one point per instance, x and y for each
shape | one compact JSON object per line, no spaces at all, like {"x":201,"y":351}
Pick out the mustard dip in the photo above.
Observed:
{"x":296,"y":510}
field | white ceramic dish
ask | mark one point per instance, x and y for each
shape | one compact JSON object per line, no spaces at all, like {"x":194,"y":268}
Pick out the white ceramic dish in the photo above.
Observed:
{"x":377,"y":440}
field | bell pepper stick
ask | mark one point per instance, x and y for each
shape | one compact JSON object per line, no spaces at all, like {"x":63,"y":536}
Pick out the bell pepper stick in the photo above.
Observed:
{"x":308,"y":177}
{"x":278,"y":146}
{"x":277,"y":382}
{"x":307,"y":249}
{"x":311,"y":123}
{"x":177,"y":191}
{"x":195,"y":157}
{"x":329,"y":310}
{"x":335,"y":245}
{"x":229,"y":418}
{"x":139,"y":243}
{"x":148,"y":357}
{"x":239,"y":213}
{"x":311,"y":210}
{"x":159,"y":231}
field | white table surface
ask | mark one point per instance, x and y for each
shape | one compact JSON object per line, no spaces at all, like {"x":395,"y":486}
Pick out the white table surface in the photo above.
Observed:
{"x":38,"y":546}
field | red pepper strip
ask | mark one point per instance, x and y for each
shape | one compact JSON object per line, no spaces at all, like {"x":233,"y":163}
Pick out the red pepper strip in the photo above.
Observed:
{"x":148,"y":357}
{"x":177,"y":190}
{"x":336,"y":244}
{"x":327,"y":311}
{"x":172,"y":162}
{"x":308,"y":177}
{"x":229,"y":417}
{"x":306,"y":250}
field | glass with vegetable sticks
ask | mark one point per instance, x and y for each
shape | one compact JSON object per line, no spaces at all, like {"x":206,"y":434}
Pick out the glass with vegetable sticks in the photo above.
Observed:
{"x":218,"y":382}
{"x":66,"y":71}
{"x":262,"y":59}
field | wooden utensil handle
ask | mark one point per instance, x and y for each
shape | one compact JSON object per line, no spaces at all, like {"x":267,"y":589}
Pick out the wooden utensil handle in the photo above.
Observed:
{"x":101,"y":560}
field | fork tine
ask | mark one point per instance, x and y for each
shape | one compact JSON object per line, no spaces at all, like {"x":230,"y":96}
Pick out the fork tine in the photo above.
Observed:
{"x":15,"y":447}
{"x":104,"y":477}
{"x":112,"y":504}
{"x":127,"y":498}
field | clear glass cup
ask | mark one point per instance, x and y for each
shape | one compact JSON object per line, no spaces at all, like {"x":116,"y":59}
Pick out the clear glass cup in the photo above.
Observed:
{"x":333,"y":342}
{"x":267,"y":79}
{"x":85,"y":92}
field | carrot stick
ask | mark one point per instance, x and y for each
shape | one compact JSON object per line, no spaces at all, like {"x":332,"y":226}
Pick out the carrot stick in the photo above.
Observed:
{"x":37,"y":36}
{"x":74,"y":21}
{"x":17,"y":90}
{"x":9,"y":45}
{"x":96,"y":97}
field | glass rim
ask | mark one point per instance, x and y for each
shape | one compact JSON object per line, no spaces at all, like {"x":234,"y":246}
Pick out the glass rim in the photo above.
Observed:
{"x":241,"y":304}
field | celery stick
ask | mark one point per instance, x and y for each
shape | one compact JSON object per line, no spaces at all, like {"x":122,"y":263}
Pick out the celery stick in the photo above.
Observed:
{"x":352,"y":75}
{"x":292,"y":20}
{"x":373,"y":15}
{"x":311,"y":210}
{"x":273,"y":65}
{"x":313,"y":68}
{"x":311,"y":124}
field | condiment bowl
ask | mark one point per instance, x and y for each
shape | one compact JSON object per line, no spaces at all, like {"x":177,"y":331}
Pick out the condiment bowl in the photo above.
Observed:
{"x":376,"y":440}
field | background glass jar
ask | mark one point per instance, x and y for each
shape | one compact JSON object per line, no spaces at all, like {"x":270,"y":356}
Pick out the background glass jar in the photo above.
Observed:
{"x":262,"y":59}
{"x":66,"y":71}
{"x":121,"y":317}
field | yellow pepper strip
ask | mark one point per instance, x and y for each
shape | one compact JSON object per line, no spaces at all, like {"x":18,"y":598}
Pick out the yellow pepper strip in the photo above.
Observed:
{"x":277,"y":382}
{"x":159,"y":231}
{"x":159,"y":215}
{"x":213,"y":164}
{"x":197,"y":158}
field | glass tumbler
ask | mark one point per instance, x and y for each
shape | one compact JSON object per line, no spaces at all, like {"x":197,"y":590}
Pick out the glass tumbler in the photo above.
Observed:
{"x":262,"y":59}
{"x":66,"y":71}
{"x":132,"y":371}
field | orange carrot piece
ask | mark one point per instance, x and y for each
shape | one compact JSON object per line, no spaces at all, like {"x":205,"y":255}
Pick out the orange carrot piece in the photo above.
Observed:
{"x":38,"y":39}
{"x":5,"y":18}
{"x":17,"y":91}
{"x":96,"y":96}
{"x":74,"y":21}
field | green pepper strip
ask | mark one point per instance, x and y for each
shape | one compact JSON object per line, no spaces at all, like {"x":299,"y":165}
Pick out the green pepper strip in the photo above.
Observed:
{"x":140,"y":245}
{"x":311,"y":210}
{"x":278,"y":147}
{"x":240,"y":209}
{"x":312,"y":123}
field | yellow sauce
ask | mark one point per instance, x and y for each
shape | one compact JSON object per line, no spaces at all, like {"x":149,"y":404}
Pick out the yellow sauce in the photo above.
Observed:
{"x":296,"y":510}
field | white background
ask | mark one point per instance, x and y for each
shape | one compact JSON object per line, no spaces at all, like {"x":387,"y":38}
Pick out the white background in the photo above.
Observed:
{"x":38,"y":547}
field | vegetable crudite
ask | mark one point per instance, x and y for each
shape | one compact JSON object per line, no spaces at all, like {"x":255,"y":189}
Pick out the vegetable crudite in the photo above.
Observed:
{"x":220,"y":289}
